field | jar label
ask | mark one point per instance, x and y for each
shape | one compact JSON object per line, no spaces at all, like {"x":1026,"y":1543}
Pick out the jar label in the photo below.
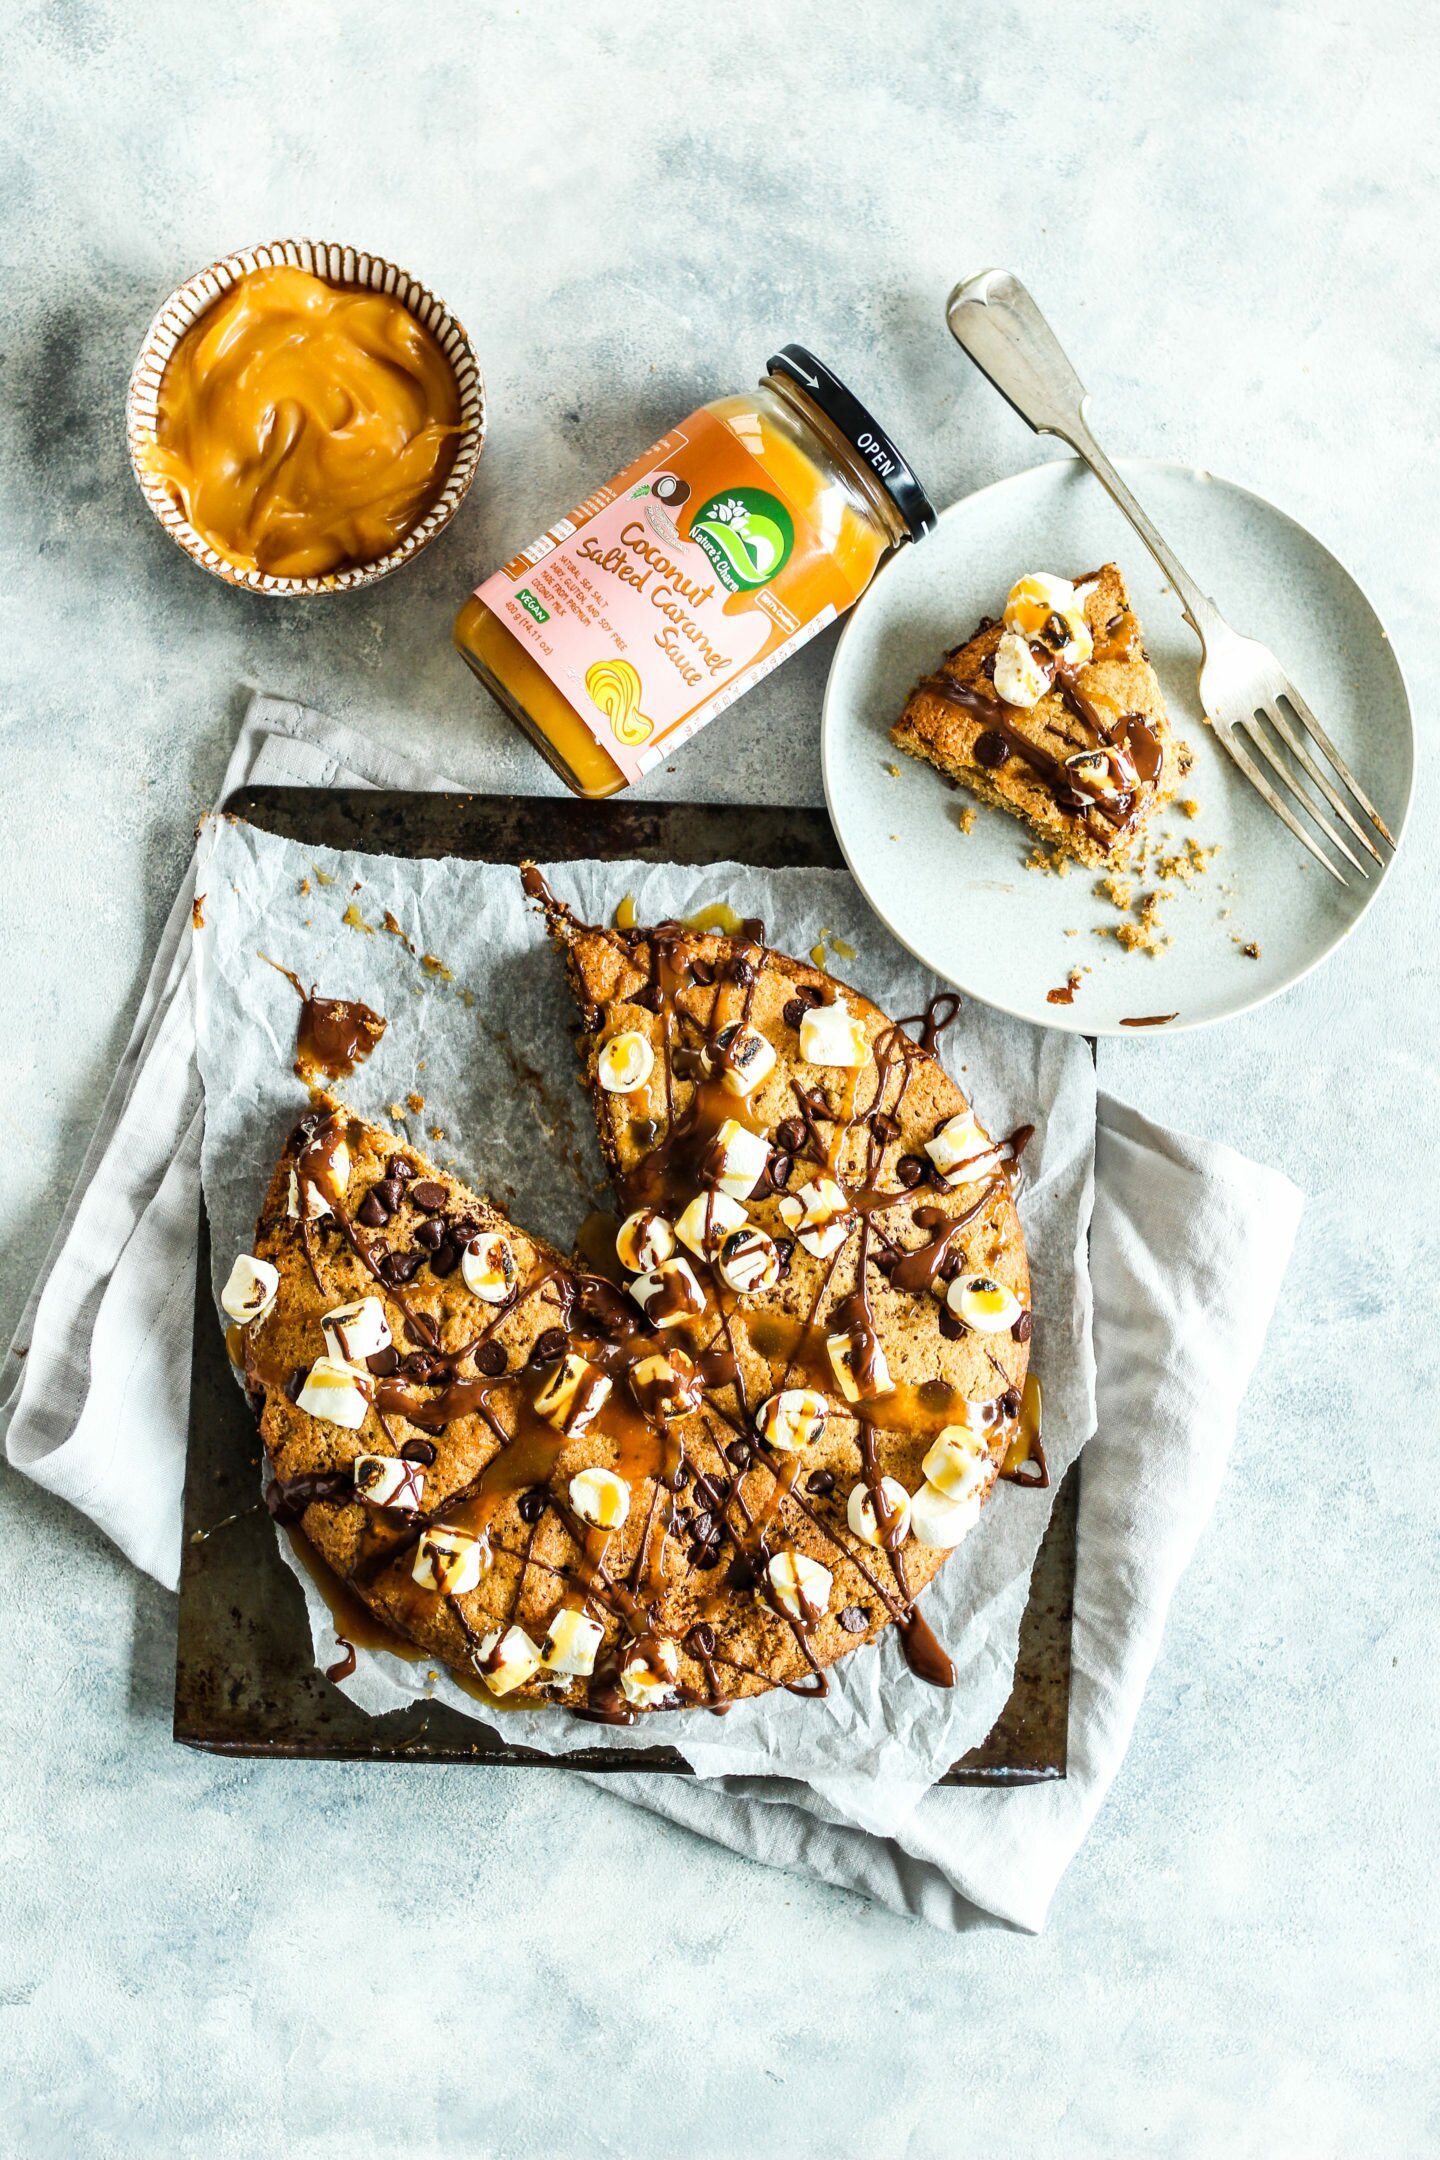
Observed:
{"x":653,"y":605}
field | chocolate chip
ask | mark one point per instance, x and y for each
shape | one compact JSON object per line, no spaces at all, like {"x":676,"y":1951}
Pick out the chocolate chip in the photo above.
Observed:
{"x":702,"y":1639}
{"x":295,"y":1382}
{"x":708,"y":1493}
{"x":390,"y":1192}
{"x":399,"y":1167}
{"x":854,"y":1619}
{"x":532,"y":1504}
{"x":548,"y":1347}
{"x":1010,"y":1402}
{"x":706,"y":1558}
{"x":820,"y":1482}
{"x":778,"y":1172}
{"x":742,"y":971}
{"x":422,"y":1337}
{"x":740,"y":1575}
{"x":987,"y":667}
{"x":384,"y":1361}
{"x":951,"y":1265}
{"x":702,"y":1526}
{"x":399,"y":1267}
{"x":429,"y":1195}
{"x":885,"y":1125}
{"x":739,"y":1454}
{"x":419,"y":1366}
{"x":952,"y":1327}
{"x":490,"y":1359}
{"x":790,"y":1135}
{"x":701,"y":972}
{"x":784,"y":1254}
{"x":445,"y":1259}
{"x":430,"y":1236}
{"x":1021,"y":1329}
{"x":373,"y":1212}
{"x":306,"y":1130}
{"x":911,"y":1171}
{"x":649,"y":998}
{"x":794,"y":1012}
{"x":991,"y":750}
{"x":421,"y":1451}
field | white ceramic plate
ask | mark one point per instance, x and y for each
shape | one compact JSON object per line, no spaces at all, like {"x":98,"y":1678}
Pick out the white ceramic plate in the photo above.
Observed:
{"x":963,"y":902}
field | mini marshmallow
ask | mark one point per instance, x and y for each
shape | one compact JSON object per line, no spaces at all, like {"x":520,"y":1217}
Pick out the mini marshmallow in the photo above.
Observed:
{"x":643,"y":1240}
{"x":986,"y":1306}
{"x":570,"y":1644}
{"x":625,"y":1063}
{"x":748,"y":1260}
{"x":573,"y":1396}
{"x":387,"y":1481}
{"x":648,"y":1674}
{"x":666,"y":1385}
{"x":801,"y":1586}
{"x":316,"y":1204}
{"x":847,"y":1362}
{"x":736,"y":1159}
{"x":355,"y":1332}
{"x":792,"y":1420}
{"x":941,"y":1523}
{"x":507,"y":1661}
{"x":709,"y":1218}
{"x":1019,"y":678}
{"x":488,"y":1267}
{"x":1036,"y":599}
{"x":669,"y":1293}
{"x":959,"y":1140}
{"x":831,"y":1035}
{"x":250,"y":1288}
{"x":957,"y":1463}
{"x":742,"y":1056}
{"x":600,"y":1497}
{"x":820,"y":1216}
{"x":332,"y":1392}
{"x":450,"y":1561}
{"x":863,"y":1516}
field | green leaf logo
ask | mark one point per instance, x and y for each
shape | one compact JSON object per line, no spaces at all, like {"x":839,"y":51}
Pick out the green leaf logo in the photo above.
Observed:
{"x":748,"y":535}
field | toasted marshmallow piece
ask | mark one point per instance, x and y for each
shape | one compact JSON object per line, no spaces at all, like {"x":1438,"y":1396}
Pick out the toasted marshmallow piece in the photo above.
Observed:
{"x":649,"y":1671}
{"x":831,"y":1035}
{"x":489,"y":1268}
{"x":625,"y":1063}
{"x":819,"y":1214}
{"x":748,"y":1260}
{"x":859,"y":1376}
{"x":801,"y":1586}
{"x":666,"y":1385}
{"x":250,"y":1288}
{"x":735,"y":1159}
{"x":941,"y":1523}
{"x":709,"y":1218}
{"x":986,"y":1306}
{"x":387,"y":1481}
{"x":1033,"y":604}
{"x":1106,"y":770}
{"x":570,"y":1644}
{"x":958,"y":1141}
{"x":957,"y":1463}
{"x":1019,"y":678}
{"x":507,"y":1661}
{"x":864,"y":1520}
{"x":742,"y":1056}
{"x":450,"y":1561}
{"x":332,"y":1392}
{"x":572,"y":1397}
{"x":669,"y":1293}
{"x":792,"y":1420}
{"x":355,"y":1332}
{"x":316,"y":1204}
{"x":643,"y":1240}
{"x":600,"y":1497}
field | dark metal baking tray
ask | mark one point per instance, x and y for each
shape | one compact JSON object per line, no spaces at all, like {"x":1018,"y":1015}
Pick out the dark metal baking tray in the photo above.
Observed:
{"x":245,"y":1679}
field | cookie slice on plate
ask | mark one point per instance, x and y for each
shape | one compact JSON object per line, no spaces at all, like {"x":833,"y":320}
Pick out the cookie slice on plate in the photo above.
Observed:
{"x":809,"y":1206}
{"x":1055,"y":715}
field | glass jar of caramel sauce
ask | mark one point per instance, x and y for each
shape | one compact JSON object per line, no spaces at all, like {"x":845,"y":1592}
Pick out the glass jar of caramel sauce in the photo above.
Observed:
{"x":757,"y":521}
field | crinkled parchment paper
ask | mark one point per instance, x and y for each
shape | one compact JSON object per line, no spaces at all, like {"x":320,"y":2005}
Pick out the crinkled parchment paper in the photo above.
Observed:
{"x":482,"y":1031}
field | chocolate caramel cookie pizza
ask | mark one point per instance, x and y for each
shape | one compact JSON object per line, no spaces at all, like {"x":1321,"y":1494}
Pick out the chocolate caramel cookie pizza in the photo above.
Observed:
{"x":1054,"y":714}
{"x":729,"y":1465}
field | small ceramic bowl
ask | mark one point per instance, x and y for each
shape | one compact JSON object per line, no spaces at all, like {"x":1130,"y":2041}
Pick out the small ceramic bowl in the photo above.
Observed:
{"x":337,"y":266}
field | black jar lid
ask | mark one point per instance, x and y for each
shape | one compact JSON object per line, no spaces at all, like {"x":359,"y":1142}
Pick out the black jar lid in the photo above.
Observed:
{"x":862,"y":431}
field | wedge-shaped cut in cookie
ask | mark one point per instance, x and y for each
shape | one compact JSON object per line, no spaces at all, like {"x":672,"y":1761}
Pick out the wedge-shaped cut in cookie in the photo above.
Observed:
{"x":828,"y":1373}
{"x":1054,"y":714}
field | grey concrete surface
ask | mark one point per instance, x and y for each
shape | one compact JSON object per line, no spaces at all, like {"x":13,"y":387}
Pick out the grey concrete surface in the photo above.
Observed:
{"x":1233,"y":212}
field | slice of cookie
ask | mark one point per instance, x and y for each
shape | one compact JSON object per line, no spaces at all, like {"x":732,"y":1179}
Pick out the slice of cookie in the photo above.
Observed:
{"x":811,"y":1211}
{"x":1054,"y":714}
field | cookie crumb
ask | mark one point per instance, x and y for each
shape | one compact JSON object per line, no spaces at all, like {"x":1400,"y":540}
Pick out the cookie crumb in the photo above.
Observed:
{"x":966,"y":819}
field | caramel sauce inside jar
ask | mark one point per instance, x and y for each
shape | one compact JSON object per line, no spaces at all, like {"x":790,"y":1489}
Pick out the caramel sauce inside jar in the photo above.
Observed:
{"x":305,"y":428}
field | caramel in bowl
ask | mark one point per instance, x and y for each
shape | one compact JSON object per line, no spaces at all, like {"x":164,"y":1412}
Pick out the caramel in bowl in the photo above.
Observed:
{"x":304,"y":419}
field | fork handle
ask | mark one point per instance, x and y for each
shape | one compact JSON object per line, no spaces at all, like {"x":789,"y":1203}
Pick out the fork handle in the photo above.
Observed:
{"x":994,"y":318}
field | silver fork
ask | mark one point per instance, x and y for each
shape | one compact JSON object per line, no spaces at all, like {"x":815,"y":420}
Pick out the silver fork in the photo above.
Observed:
{"x":1243,"y":689}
